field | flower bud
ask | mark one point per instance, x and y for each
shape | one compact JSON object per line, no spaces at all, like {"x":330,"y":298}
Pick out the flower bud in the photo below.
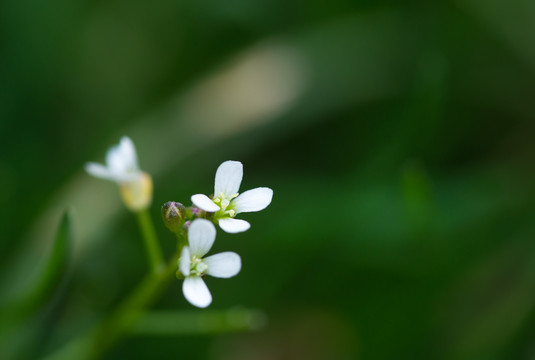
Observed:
{"x":137,"y":193}
{"x":173,"y":215}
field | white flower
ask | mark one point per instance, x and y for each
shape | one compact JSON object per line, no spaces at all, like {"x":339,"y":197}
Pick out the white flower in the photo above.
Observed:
{"x":193,"y":266}
{"x":122,"y":168}
{"x":121,"y":163}
{"x":227,"y":203}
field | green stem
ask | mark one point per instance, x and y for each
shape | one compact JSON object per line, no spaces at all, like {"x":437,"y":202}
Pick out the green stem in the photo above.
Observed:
{"x":126,"y":315}
{"x":150,"y":239}
{"x":181,"y":241}
{"x":97,"y":340}
{"x":191,"y":322}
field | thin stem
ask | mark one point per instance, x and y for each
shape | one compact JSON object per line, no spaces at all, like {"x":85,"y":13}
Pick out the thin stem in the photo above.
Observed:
{"x":126,"y":315}
{"x":154,"y":253}
{"x":100,"y":338}
{"x":92,"y":344}
{"x":181,"y":241}
{"x":190,"y":322}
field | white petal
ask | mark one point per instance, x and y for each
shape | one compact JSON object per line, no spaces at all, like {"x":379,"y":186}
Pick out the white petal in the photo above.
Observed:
{"x":99,"y":171}
{"x":122,"y":159}
{"x":196,"y":291}
{"x":185,"y":261}
{"x":223,"y":265}
{"x":114,"y":160}
{"x":201,"y":236}
{"x":205,"y":203}
{"x":128,"y":153}
{"x":228,"y":178}
{"x":234,"y":225}
{"x":253,"y":200}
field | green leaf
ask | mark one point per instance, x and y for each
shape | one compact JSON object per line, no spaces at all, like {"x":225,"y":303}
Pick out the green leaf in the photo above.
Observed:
{"x":21,"y":311}
{"x":55,"y":267}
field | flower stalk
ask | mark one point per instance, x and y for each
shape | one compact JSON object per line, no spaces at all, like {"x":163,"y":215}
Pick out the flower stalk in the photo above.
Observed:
{"x":150,"y":239}
{"x":126,"y":315}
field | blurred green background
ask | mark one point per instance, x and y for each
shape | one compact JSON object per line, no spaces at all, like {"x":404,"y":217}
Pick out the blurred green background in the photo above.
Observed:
{"x":398,"y":138}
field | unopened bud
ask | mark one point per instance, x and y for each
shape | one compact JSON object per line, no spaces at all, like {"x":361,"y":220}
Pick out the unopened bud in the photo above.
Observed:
{"x":173,"y":215}
{"x":137,"y":193}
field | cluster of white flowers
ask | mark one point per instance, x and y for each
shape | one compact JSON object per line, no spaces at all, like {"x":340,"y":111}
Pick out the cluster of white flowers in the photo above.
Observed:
{"x":225,"y":205}
{"x":196,"y":224}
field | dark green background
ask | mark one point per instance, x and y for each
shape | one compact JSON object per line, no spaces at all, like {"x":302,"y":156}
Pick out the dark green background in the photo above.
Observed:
{"x":403,"y":218}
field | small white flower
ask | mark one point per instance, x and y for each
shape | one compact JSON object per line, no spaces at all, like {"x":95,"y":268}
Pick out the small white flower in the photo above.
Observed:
{"x":121,"y":163}
{"x":227,"y":203}
{"x":122,"y":168}
{"x":193,"y":266}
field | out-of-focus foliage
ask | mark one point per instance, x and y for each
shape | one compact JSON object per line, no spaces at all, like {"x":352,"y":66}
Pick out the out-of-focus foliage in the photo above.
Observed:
{"x":18,"y":312}
{"x":398,"y":139}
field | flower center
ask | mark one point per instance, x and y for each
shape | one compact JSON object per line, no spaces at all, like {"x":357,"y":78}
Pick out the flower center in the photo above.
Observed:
{"x":198,"y":266}
{"x":225,"y":202}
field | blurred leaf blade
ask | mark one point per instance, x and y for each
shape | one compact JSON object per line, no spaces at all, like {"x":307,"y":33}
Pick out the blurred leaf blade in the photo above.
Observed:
{"x":23,"y":309}
{"x":56,"y":264}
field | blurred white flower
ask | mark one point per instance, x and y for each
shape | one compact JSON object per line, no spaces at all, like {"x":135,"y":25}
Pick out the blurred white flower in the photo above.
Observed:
{"x":227,"y":203}
{"x":121,"y":163}
{"x":193,"y":266}
{"x":122,"y":168}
